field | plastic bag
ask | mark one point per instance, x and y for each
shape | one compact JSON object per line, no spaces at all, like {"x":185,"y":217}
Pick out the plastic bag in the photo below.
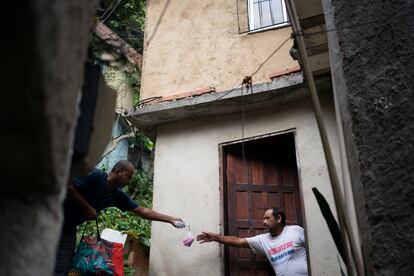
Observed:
{"x":189,"y":238}
{"x":96,"y":256}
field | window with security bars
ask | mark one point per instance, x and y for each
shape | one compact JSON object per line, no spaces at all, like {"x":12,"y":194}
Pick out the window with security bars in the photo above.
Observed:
{"x":267,"y":13}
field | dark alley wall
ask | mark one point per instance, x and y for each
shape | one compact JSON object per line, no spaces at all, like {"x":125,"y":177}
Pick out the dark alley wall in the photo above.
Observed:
{"x":376,"y":57}
{"x":43,"y":52}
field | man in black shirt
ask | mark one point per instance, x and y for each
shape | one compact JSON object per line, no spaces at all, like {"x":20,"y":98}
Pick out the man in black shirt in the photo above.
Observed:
{"x":92,"y":193}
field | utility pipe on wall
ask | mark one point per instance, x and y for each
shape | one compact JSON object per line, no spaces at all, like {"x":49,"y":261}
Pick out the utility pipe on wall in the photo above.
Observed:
{"x":338,"y":197}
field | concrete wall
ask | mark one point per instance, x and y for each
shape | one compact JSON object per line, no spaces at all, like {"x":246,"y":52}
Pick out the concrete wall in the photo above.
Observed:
{"x":43,"y":61}
{"x":374,"y":72}
{"x":116,"y":79}
{"x":196,"y":44}
{"x":187,"y":184}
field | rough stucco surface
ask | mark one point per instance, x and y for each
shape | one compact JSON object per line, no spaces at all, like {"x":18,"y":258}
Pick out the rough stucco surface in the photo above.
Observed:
{"x":187,"y":181}
{"x":378,"y":64}
{"x":191,"y":45}
{"x":44,"y":58}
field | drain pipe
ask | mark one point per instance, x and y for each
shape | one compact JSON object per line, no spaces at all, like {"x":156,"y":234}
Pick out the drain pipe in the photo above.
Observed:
{"x":339,"y":201}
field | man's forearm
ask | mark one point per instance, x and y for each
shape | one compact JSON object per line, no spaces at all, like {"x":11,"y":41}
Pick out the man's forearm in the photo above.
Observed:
{"x":227,"y":240}
{"x":150,"y":214}
{"x":231,"y":241}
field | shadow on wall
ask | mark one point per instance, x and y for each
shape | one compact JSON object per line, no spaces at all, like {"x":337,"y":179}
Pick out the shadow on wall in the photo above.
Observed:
{"x":42,"y":63}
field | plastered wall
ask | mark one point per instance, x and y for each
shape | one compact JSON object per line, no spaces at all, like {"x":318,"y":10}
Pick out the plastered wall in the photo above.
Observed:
{"x":191,"y":45}
{"x":44,"y":60}
{"x":187,"y":184}
{"x":116,"y":79}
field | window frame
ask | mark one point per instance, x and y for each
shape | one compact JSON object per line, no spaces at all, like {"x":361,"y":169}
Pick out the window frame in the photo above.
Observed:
{"x":250,"y":16}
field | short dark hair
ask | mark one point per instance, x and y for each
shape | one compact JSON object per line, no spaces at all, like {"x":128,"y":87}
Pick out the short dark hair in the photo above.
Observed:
{"x":122,"y":165}
{"x":276,"y":212}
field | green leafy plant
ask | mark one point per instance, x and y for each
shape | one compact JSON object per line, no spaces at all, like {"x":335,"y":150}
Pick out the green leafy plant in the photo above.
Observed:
{"x":126,"y":18}
{"x":143,"y":141}
{"x":128,"y":270}
{"x":139,"y":189}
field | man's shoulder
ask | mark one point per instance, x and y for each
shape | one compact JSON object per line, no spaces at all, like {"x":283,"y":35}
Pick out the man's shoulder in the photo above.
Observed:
{"x":98,"y":175}
{"x":262,"y":236}
{"x":121,"y":195}
{"x":95,"y":174}
{"x":94,"y":177}
{"x":294,"y":227}
{"x":98,"y":172}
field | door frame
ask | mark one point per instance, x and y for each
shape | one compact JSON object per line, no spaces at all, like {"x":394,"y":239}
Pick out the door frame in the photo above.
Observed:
{"x":223,"y":202}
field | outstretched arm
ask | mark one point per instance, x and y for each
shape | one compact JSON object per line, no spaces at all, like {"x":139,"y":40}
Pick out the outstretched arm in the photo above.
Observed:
{"x":150,"y":214}
{"x":227,"y":240}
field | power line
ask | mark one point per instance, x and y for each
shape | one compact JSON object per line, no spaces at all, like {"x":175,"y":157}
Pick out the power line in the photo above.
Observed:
{"x":235,"y":87}
{"x":257,"y":69}
{"x":159,"y":21}
{"x":113,"y":9}
{"x":103,"y":9}
{"x":294,"y":34}
{"x":270,"y":56}
{"x":351,"y":26}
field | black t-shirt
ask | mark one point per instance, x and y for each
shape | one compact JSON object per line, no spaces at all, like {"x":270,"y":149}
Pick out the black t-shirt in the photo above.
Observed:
{"x":94,"y":189}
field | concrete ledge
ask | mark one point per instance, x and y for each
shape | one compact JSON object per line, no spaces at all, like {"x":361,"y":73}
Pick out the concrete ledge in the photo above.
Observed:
{"x":281,"y":90}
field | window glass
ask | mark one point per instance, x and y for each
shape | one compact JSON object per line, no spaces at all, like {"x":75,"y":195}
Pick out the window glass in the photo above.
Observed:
{"x":256,"y":15}
{"x":277,"y":11}
{"x":265,"y":13}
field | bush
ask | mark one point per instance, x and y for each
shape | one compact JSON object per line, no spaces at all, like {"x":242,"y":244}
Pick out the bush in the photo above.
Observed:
{"x":140,"y":190}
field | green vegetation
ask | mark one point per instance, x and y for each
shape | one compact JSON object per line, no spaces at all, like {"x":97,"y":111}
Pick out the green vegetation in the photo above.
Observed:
{"x":143,"y":142}
{"x":126,"y":18}
{"x":140,"y":189}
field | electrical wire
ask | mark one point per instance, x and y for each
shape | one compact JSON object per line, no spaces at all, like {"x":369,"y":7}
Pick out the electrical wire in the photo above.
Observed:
{"x":254,"y":73}
{"x":304,"y":34}
{"x":228,"y":92}
{"x":201,"y":109}
{"x":114,"y":8}
{"x":270,"y":56}
{"x":260,"y":66}
{"x":99,"y":8}
{"x":109,"y":9}
{"x":352,"y":26}
{"x":246,"y":173}
{"x":158,"y":21}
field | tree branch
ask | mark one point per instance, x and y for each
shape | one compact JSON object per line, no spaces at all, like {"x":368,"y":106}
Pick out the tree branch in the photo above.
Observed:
{"x":115,"y":142}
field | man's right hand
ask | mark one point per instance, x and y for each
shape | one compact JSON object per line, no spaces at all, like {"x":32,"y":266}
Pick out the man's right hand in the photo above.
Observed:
{"x":178,"y":223}
{"x":90,"y":213}
{"x":207,"y":237}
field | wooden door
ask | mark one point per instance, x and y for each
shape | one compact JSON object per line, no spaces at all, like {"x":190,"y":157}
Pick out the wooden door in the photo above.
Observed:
{"x":266,"y":177}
